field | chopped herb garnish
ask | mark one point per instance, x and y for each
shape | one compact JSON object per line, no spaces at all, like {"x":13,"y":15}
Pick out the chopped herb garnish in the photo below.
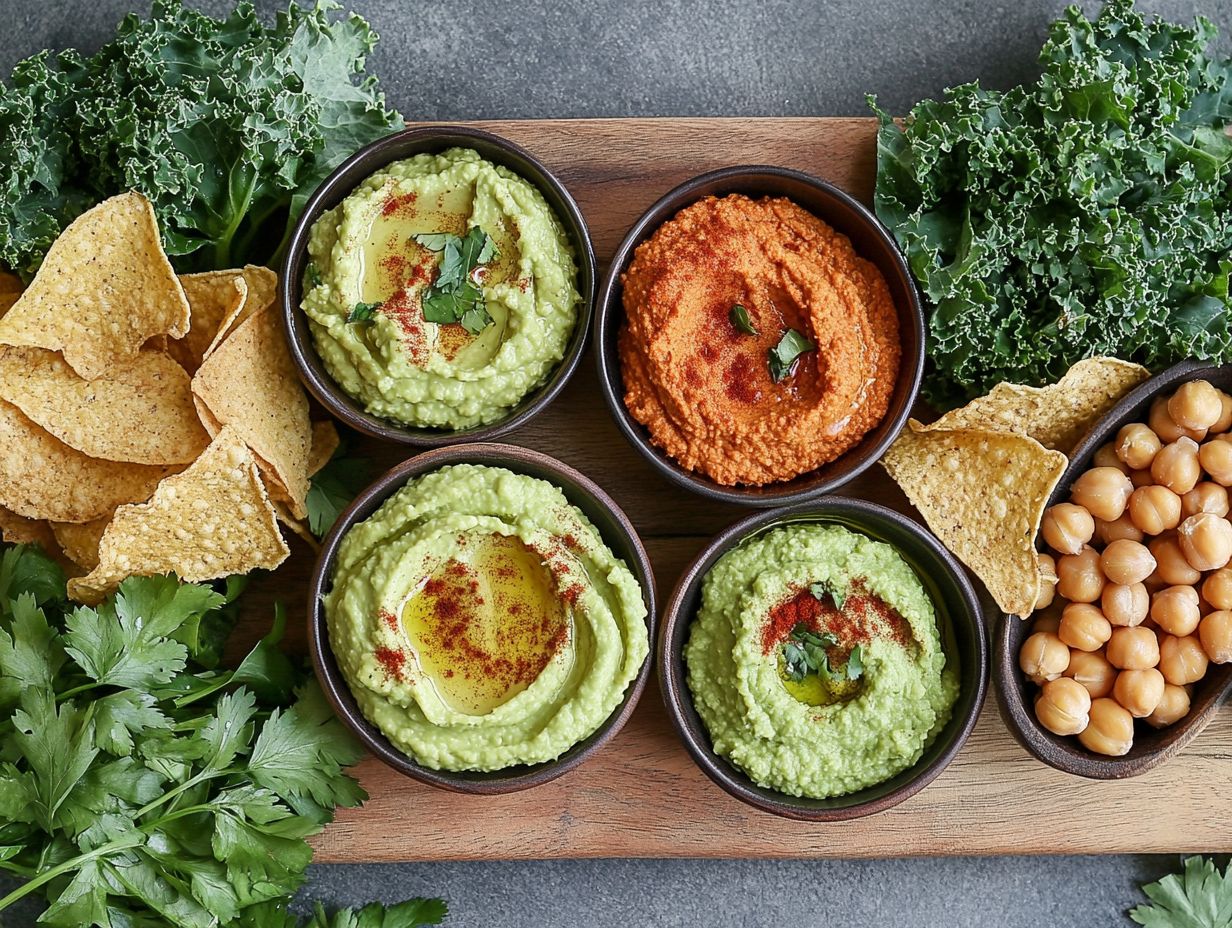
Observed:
{"x":363,"y":312}
{"x":739,"y":318}
{"x":855,"y":663}
{"x":314,"y":274}
{"x":784,"y":355}
{"x":804,"y":652}
{"x":824,"y":588}
{"x":454,"y":296}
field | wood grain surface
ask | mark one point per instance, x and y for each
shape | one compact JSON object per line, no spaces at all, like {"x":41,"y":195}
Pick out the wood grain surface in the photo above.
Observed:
{"x":642,"y":796}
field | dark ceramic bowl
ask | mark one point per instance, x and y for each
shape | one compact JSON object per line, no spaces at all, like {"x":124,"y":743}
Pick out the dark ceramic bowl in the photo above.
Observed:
{"x":1016,"y":694}
{"x":617,"y":532}
{"x":338,"y":186}
{"x":962,"y":635}
{"x":871,"y":240}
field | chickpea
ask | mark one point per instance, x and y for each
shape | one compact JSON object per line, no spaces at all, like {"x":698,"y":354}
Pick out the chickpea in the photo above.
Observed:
{"x":1176,"y":466}
{"x":1104,"y":491}
{"x":1067,"y":527}
{"x":1047,"y":581}
{"x":1043,"y":657}
{"x":1224,"y":422}
{"x":1092,"y":670}
{"x":1162,"y":424}
{"x":1215,"y":633}
{"x":1195,"y":405}
{"x":1137,"y":445}
{"x":1110,"y":729}
{"x":1133,"y":649}
{"x":1084,"y":627}
{"x":1106,"y":456}
{"x":1125,"y":561}
{"x":1172,"y":708}
{"x":1079,"y":578}
{"x":1206,"y":541}
{"x":1062,"y":706}
{"x":1122,"y":528}
{"x":1154,"y":509}
{"x":1175,"y":610}
{"x":1182,"y":660}
{"x":1205,"y":497}
{"x":1217,"y":589}
{"x":1139,"y":691}
{"x":1170,"y":564}
{"x":1215,"y":456}
{"x":1125,"y":604}
{"x":1141,"y":478}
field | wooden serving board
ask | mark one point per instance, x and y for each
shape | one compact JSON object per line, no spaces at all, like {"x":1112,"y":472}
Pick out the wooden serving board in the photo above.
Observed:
{"x":642,"y":796}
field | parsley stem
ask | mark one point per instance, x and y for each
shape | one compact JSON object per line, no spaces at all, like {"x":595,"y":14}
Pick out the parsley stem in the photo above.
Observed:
{"x":78,"y":690}
{"x":17,"y":868}
{"x":68,"y":866}
{"x":186,"y":785}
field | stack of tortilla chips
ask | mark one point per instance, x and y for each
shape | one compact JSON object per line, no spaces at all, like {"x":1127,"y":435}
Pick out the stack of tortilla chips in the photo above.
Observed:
{"x":981,"y":475}
{"x":149,"y":424}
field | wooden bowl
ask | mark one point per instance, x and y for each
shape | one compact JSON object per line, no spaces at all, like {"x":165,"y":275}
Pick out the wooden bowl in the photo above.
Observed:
{"x":871,"y":240}
{"x":962,"y":634}
{"x":338,"y":186}
{"x":1015,"y":693}
{"x":618,"y":533}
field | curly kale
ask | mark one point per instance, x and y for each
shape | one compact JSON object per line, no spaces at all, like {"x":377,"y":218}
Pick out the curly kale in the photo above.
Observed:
{"x":1089,"y":214}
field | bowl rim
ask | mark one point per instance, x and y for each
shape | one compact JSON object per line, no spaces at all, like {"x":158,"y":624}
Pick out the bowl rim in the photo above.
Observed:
{"x":1065,"y":753}
{"x":338,"y":185}
{"x":609,"y":311}
{"x":629,"y":548}
{"x":973,"y":681}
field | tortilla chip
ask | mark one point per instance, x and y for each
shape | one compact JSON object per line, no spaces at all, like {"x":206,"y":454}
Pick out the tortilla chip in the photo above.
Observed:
{"x":298,"y":526}
{"x":10,"y":289}
{"x":104,"y":289}
{"x":1057,"y":416}
{"x":262,"y":284}
{"x":215,"y":297}
{"x":80,"y":541}
{"x":212,"y":520}
{"x":140,"y":414}
{"x":249,"y":383}
{"x":983,"y":495}
{"x":325,"y":442}
{"x":18,"y":530}
{"x":43,"y":478}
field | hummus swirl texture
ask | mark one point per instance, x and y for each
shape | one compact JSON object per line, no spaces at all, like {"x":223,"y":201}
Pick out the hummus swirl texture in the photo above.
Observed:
{"x":431,"y":525}
{"x":901,"y":701}
{"x":702,"y":387}
{"x":425,"y":374}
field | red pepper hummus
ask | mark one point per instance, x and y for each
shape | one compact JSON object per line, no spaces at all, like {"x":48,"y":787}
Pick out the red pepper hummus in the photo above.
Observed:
{"x":700,"y":381}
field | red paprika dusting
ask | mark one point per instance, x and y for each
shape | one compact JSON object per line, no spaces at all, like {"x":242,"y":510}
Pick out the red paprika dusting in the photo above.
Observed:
{"x":391,"y":661}
{"x":864,"y":616}
{"x":741,"y":379}
{"x":389,"y":619}
{"x":398,"y":203}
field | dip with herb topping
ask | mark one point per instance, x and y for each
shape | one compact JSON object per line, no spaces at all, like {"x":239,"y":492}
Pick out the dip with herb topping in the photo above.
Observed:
{"x":815,"y":661}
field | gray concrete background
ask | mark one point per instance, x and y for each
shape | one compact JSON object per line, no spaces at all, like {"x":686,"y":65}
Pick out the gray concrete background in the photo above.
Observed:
{"x":538,"y":58}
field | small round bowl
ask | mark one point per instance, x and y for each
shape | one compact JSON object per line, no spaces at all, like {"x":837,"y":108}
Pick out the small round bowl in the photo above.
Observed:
{"x":618,"y":533}
{"x":962,"y":635}
{"x":338,"y":186}
{"x":871,"y":240}
{"x":1015,"y":693}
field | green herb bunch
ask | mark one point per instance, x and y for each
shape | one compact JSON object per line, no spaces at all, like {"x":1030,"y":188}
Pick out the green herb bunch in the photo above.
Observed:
{"x":138,"y":788}
{"x":1088,"y":214}
{"x":227,"y":125}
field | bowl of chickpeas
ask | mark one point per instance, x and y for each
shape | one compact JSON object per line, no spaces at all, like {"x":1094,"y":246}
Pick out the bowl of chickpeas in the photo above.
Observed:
{"x":1129,"y":652}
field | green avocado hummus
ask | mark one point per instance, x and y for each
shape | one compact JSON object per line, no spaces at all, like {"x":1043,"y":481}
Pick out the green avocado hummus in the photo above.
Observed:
{"x":884,"y":688}
{"x":481,"y":621}
{"x":375,"y":259}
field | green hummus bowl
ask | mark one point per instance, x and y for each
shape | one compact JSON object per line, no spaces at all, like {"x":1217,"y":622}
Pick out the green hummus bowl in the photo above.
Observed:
{"x":823,"y":661}
{"x":438,"y":287}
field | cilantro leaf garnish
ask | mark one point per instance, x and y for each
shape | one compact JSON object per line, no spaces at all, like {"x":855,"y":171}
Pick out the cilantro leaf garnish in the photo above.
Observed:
{"x":332,"y":488}
{"x":362,"y":312}
{"x":313,"y":273}
{"x":855,"y":663}
{"x":738,"y":316}
{"x":454,"y":295}
{"x":783,"y":356}
{"x":1198,"y":897}
{"x":806,"y":652}
{"x":825,"y":588}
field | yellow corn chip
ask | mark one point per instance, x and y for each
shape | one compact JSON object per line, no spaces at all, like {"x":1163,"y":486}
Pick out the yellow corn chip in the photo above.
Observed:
{"x":1058,"y":415}
{"x":18,"y":530}
{"x":298,"y":526}
{"x":215,"y":297}
{"x":212,"y":520}
{"x":983,"y":494}
{"x":249,"y":383}
{"x":262,"y":286}
{"x":325,"y":442}
{"x":104,"y":289}
{"x":142,"y":413}
{"x":80,"y":541}
{"x":43,"y":478}
{"x":10,"y":289}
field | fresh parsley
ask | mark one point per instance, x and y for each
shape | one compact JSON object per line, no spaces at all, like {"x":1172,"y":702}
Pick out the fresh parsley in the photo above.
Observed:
{"x":313,"y":273}
{"x":824,"y":588}
{"x":783,"y":356}
{"x":362,"y":313}
{"x":1198,"y":897}
{"x":806,"y":652}
{"x":332,"y":488}
{"x":454,"y":295}
{"x":738,"y":316}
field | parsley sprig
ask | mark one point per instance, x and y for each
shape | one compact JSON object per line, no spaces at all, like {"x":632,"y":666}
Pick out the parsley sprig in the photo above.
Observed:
{"x":782,"y":357}
{"x":454,"y":296}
